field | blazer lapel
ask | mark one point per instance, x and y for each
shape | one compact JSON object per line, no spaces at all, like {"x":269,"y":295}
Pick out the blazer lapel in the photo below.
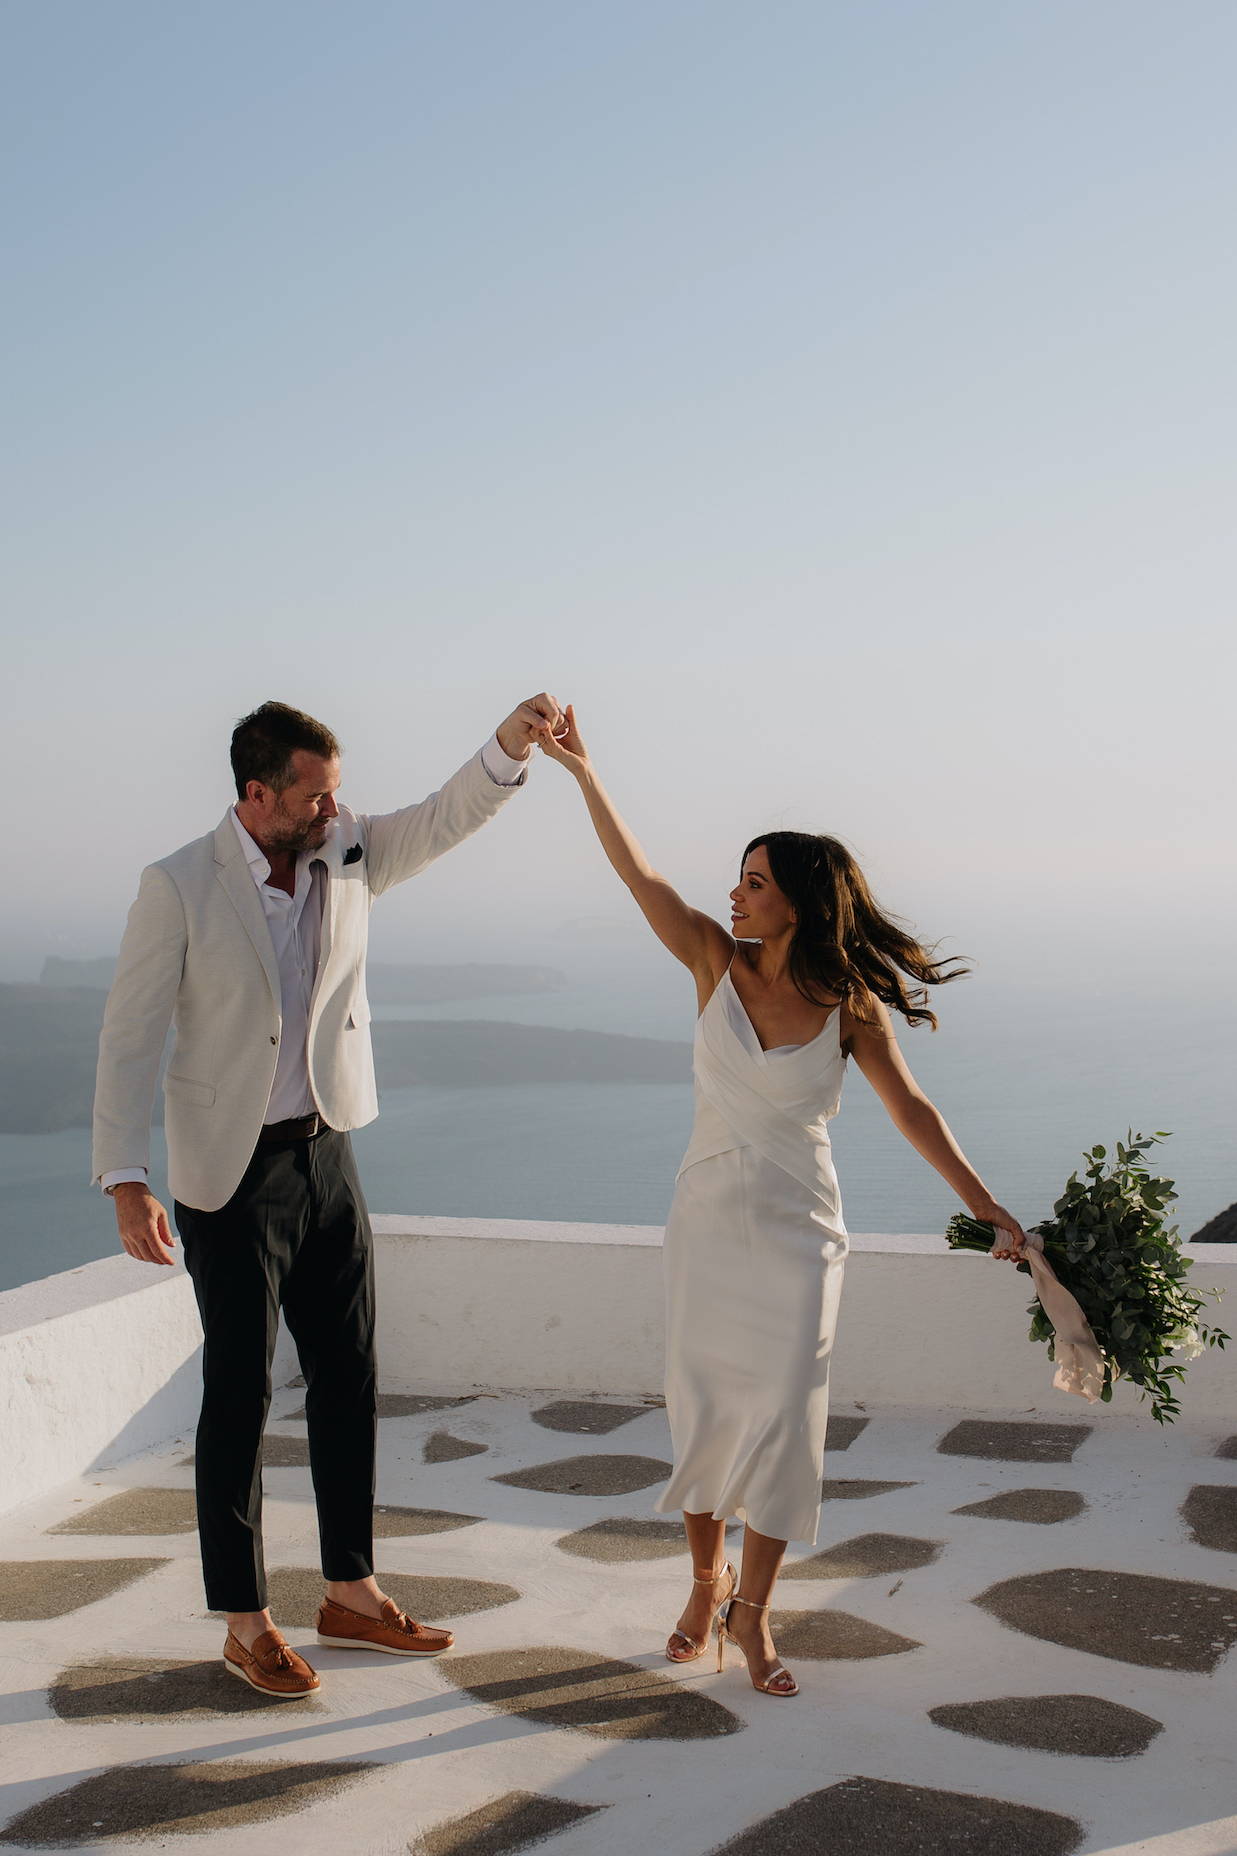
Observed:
{"x":331,"y":856}
{"x":242,"y":892}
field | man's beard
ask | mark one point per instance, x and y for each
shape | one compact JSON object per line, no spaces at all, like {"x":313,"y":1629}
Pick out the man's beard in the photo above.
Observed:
{"x":296,"y":835}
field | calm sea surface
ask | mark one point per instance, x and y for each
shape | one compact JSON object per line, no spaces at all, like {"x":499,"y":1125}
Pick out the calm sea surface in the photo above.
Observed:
{"x":1026,"y":1081}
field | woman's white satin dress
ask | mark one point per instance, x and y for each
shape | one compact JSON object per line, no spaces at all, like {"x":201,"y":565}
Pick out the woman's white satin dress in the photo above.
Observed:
{"x":754,"y":1254}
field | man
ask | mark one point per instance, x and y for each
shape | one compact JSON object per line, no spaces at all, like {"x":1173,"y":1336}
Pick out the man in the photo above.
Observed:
{"x":251,"y":943}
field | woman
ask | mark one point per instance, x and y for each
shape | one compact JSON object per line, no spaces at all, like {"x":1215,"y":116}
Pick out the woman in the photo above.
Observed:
{"x":755,"y":1243}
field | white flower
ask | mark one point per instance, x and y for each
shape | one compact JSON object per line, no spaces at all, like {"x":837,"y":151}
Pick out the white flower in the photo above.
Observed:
{"x":1186,"y":1341}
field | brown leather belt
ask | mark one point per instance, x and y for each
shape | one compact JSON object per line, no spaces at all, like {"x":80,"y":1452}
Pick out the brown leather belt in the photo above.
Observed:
{"x":302,"y":1128}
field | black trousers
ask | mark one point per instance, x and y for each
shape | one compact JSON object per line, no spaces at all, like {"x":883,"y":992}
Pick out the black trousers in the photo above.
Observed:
{"x":295,"y":1234}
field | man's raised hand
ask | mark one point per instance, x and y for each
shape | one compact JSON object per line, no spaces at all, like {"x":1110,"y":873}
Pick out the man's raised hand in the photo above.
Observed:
{"x":525,"y":726}
{"x":143,"y":1223}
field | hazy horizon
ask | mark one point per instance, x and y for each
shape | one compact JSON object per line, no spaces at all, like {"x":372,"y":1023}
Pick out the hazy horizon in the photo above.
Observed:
{"x":833,"y":403}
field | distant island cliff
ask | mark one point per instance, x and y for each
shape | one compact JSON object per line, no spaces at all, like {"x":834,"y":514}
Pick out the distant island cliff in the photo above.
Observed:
{"x":419,"y":984}
{"x":49,"y":1034}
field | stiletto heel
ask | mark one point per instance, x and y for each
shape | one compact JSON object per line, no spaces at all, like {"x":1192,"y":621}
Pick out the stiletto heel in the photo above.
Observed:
{"x":723,"y":1631}
{"x":721,"y":1640}
{"x":695,"y":1649}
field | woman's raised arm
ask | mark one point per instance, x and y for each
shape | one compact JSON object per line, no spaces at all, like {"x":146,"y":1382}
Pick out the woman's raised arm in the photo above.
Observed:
{"x":875,"y":1049}
{"x":691,"y":936}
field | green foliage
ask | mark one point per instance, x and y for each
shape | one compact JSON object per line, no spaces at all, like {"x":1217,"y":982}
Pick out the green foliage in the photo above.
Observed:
{"x":1109,"y":1244}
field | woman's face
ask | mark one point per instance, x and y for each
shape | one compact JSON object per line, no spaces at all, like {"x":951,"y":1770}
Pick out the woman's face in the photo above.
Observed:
{"x":759,"y":910}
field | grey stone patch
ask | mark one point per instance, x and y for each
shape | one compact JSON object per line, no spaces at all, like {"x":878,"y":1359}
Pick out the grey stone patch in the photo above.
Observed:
{"x":278,"y":1452}
{"x":1075,"y":1724}
{"x":1210,"y":1513}
{"x":516,"y":1821}
{"x":412,"y":1404}
{"x":136,"y":1511}
{"x":834,"y":1637}
{"x":1228,"y":1448}
{"x":841,"y":1432}
{"x":589,"y":1475}
{"x":1126,"y":1617}
{"x":875,"y":1817}
{"x":147,"y":1802}
{"x":391,"y":1522}
{"x":147,"y":1688}
{"x":851,"y":1489}
{"x":400,"y":1405}
{"x":618,"y":1540}
{"x":32,"y":1591}
{"x":867,"y":1556}
{"x":1041,"y":1506}
{"x":443,"y":1448}
{"x":297,"y":1384}
{"x":284,"y":1452}
{"x":1014,"y":1440}
{"x":296,"y":1592}
{"x":587,"y":1417}
{"x":591,"y":1693}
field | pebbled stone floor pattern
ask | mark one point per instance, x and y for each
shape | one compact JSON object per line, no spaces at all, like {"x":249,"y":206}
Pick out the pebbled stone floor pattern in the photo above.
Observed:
{"x":392,"y":1523}
{"x":559,"y":1685}
{"x":1041,"y":1507}
{"x":136,"y":1511}
{"x":872,"y":1817}
{"x":1128,"y":1617}
{"x":1012,"y":1441}
{"x":121,"y":1688}
{"x":852,"y":1489}
{"x":618,"y":1541}
{"x":590,"y":1475}
{"x":592,"y":1694}
{"x":514,"y":1822}
{"x":146,"y":1802}
{"x":36,"y":1590}
{"x":586,"y":1416}
{"x":830,"y":1636}
{"x":296,"y":1592}
{"x":441,"y":1447}
{"x":1080,"y":1724}
{"x":867,"y":1556}
{"x":1210,"y":1513}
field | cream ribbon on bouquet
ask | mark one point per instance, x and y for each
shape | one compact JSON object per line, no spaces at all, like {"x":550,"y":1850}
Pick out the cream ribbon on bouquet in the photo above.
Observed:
{"x":1079,"y":1362}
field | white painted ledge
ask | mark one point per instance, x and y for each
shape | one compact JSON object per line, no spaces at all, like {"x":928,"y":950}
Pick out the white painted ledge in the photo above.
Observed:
{"x":103,"y":1362}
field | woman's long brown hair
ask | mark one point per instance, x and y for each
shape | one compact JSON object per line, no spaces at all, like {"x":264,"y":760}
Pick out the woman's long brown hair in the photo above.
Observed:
{"x":844,"y":945}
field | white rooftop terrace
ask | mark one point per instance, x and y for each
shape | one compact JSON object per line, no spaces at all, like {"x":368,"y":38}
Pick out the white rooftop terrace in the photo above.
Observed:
{"x":1014,"y":1637}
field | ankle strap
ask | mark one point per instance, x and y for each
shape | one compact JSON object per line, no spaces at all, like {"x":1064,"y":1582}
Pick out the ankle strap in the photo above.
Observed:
{"x":749,"y":1602}
{"x":710,"y":1578}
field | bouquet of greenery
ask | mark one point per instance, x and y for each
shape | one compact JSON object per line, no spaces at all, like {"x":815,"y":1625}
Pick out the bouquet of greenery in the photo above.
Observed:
{"x":1111,"y":1295}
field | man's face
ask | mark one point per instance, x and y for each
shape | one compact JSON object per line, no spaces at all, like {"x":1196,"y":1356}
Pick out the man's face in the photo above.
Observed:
{"x":297,"y":818}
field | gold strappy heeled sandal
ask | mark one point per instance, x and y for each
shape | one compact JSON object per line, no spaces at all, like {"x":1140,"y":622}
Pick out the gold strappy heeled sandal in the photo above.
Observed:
{"x":723,"y":1633}
{"x":698,"y":1649}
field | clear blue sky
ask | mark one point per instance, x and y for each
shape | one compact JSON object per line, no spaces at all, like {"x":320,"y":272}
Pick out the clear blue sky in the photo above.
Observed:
{"x":836,"y":401}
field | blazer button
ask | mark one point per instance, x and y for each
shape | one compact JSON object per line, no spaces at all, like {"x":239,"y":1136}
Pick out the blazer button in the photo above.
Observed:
{"x":274,"y":1040}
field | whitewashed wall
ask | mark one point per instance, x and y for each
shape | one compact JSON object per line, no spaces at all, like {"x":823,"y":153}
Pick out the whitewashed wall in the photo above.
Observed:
{"x":102,"y":1362}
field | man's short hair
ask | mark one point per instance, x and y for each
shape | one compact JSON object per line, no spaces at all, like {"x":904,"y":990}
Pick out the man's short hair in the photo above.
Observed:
{"x":263,"y":745}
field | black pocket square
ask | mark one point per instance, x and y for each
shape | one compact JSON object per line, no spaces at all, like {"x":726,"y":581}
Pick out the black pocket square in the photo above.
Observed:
{"x":353,"y":854}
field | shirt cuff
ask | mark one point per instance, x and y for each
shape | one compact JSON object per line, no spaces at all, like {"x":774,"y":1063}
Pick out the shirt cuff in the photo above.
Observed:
{"x":499,"y":765}
{"x":121,"y":1176}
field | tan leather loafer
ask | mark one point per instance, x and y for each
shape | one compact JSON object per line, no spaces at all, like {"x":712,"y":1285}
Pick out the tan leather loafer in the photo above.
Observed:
{"x":272,"y":1666}
{"x":394,"y":1632}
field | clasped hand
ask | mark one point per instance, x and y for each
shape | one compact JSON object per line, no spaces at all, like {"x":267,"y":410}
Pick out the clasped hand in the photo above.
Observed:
{"x":528,"y":724}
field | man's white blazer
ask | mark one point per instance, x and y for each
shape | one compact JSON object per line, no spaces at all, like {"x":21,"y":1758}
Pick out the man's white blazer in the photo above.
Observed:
{"x":197,"y":954}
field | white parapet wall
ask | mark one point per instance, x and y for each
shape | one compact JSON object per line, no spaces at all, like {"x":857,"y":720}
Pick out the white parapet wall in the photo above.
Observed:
{"x":103,"y":1361}
{"x":532,"y":1306}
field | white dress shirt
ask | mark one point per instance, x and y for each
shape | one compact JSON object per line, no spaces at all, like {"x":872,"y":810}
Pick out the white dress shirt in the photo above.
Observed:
{"x":295,"y":923}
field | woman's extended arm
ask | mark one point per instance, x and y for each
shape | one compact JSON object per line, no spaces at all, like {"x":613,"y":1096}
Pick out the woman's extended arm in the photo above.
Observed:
{"x":691,"y":936}
{"x":875,"y":1050}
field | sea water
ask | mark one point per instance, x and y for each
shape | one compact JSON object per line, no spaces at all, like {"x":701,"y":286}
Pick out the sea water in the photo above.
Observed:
{"x":1025,"y":1079}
